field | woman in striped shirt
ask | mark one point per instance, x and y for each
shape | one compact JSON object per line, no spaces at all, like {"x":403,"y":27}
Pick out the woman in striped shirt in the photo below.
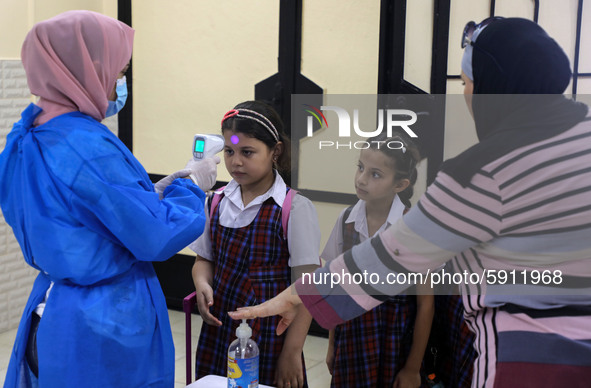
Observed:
{"x":512,"y":213}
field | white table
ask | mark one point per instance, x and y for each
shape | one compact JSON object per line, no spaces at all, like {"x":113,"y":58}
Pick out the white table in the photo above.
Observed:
{"x":212,"y":381}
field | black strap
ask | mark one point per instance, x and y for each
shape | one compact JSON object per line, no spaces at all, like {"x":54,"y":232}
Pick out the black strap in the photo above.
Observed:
{"x":31,"y":351}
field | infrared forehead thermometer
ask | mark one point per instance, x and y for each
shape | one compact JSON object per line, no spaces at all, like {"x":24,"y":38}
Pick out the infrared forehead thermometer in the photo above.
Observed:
{"x":206,"y":146}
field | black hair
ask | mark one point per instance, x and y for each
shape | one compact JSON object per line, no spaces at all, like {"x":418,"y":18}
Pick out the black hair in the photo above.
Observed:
{"x":254,"y":129}
{"x":405,"y":156}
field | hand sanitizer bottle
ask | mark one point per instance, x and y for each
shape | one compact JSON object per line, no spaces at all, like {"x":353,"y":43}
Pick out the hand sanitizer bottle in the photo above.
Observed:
{"x":243,"y":359}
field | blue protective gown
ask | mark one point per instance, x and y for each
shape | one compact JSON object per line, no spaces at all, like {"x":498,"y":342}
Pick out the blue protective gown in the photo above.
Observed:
{"x":86,"y":216}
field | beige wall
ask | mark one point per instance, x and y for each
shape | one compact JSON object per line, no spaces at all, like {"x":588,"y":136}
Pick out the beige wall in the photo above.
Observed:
{"x":193,"y":61}
{"x":340,"y":45}
{"x":18,"y":16}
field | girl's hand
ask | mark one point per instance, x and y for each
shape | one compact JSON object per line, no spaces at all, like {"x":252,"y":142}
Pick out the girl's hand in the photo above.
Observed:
{"x":330,"y":360}
{"x":285,"y":304}
{"x":289,"y":373}
{"x":204,"y":294}
{"x":407,"y":379}
{"x":330,"y":356}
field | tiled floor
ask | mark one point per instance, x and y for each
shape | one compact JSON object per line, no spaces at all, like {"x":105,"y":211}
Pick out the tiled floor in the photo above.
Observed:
{"x":314,"y":350}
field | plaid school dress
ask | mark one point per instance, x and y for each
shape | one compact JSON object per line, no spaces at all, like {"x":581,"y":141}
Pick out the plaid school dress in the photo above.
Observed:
{"x":250,"y":267}
{"x":457,"y":354}
{"x":372,"y":348}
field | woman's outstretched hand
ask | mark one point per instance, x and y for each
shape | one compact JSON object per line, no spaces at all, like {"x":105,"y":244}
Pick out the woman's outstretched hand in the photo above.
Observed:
{"x":285,"y":304}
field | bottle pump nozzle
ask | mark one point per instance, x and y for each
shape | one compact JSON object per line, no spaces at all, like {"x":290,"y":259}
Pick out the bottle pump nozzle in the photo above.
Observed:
{"x":243,"y":331}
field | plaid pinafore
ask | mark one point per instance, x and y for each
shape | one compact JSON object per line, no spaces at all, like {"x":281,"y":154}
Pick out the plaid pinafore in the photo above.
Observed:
{"x":250,"y":267}
{"x":372,"y":348}
{"x":454,"y":342}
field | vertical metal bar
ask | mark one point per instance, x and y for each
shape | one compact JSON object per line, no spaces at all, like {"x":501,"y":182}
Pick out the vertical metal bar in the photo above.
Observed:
{"x":383,"y":58}
{"x":392,"y":40}
{"x":188,"y":302}
{"x":536,"y":10}
{"x":492,"y":7}
{"x":577,"y":47}
{"x":290,"y":37}
{"x":434,"y":145}
{"x":188,"y":347}
{"x":125,"y":116}
{"x":441,"y":17}
{"x":289,"y":64}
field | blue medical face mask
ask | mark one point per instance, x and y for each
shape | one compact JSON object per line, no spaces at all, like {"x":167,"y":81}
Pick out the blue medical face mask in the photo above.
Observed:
{"x":115,"y":106}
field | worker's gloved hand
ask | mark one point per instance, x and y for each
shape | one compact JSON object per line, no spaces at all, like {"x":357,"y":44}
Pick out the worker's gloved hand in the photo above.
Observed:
{"x":167,"y":180}
{"x":203,"y":173}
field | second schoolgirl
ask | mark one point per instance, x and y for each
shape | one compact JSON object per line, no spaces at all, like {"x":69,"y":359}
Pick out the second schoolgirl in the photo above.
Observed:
{"x":385,"y":346}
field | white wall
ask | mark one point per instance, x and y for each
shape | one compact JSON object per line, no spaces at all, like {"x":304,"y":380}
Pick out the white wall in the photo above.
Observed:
{"x":15,"y":276}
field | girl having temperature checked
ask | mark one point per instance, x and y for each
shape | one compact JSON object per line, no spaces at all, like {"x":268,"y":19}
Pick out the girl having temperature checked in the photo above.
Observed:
{"x":246,"y":256}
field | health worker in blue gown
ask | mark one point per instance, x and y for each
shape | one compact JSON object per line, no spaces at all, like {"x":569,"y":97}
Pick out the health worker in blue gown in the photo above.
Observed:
{"x":88,"y":218}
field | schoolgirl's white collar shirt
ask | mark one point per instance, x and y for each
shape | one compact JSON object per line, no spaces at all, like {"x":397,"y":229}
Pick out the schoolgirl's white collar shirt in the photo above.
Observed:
{"x":303,"y":230}
{"x":358,"y":216}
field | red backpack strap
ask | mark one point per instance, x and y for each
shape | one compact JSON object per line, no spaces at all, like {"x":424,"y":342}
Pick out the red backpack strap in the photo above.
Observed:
{"x":286,"y":209}
{"x":215,"y":199}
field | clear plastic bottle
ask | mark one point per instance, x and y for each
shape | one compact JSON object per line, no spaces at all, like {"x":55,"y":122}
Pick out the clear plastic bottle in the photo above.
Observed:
{"x":243,"y":359}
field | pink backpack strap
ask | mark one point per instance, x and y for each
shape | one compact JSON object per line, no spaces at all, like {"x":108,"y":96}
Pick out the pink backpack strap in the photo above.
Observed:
{"x":215,"y":199}
{"x":286,"y":209}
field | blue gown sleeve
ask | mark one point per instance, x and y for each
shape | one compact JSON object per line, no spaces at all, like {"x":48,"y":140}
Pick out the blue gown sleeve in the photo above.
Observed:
{"x":150,"y":228}
{"x":109,"y":192}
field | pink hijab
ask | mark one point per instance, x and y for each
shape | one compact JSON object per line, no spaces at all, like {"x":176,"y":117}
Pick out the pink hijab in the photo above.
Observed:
{"x":73,"y":60}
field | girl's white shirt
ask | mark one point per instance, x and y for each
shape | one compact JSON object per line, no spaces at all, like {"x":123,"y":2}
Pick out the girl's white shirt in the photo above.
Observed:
{"x":303,"y":230}
{"x":334,"y":245}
